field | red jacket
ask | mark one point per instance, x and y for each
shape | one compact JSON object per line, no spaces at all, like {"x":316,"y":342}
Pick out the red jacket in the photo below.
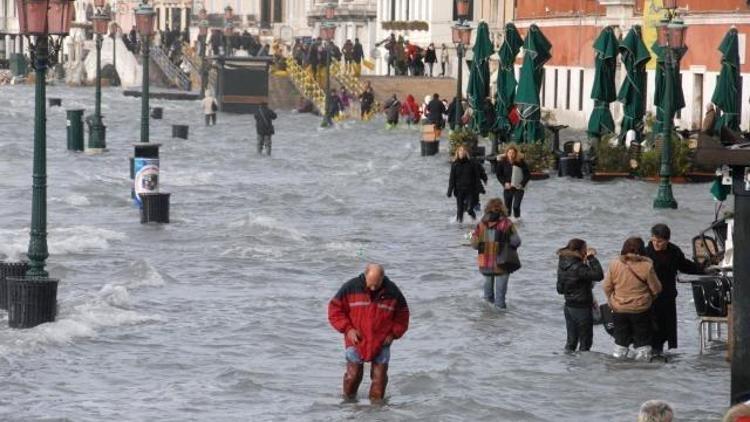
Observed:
{"x":374,"y":314}
{"x":410,"y":108}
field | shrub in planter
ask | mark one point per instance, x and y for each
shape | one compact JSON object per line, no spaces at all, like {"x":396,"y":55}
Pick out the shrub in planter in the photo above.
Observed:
{"x":538,"y":156}
{"x":462,"y":136}
{"x":611,"y":159}
{"x":681,"y":163}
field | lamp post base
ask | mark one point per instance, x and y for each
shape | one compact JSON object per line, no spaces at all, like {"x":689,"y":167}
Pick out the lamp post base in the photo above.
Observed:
{"x":665,"y":199}
{"x":31,"y":301}
{"x":97,"y":134}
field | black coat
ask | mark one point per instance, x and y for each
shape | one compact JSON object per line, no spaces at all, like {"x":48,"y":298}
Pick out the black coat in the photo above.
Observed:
{"x":667,"y":264}
{"x":575,"y":279}
{"x":357,"y":53}
{"x":505,"y":172}
{"x":430,"y":56}
{"x":464,"y":177}
{"x":435,"y":111}
{"x":264,"y":117}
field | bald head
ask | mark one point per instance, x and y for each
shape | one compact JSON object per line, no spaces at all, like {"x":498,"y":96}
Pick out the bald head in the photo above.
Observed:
{"x":374,"y":274}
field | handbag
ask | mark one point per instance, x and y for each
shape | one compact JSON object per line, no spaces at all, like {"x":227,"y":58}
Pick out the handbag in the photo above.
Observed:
{"x":214,"y":107}
{"x":508,"y":258}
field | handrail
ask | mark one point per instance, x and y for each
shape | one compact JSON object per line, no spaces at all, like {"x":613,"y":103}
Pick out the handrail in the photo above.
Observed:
{"x":352,"y":83}
{"x":172,"y":72}
{"x":306,"y":84}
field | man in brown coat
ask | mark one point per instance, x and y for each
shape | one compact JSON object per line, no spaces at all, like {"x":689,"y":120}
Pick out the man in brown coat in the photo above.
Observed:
{"x":631,"y":285}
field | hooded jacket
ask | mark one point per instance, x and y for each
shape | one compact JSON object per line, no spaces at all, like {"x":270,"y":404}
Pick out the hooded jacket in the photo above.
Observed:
{"x":410,"y":109}
{"x":575,"y":278}
{"x":631,"y":284}
{"x":375,"y":314}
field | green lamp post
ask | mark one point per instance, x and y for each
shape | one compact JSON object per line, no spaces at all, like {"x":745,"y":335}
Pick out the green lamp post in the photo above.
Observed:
{"x":327,"y":33}
{"x":671,"y":34}
{"x":45,"y":23}
{"x":202,"y":37}
{"x":461,"y":34}
{"x":144,"y":23}
{"x":97,"y":130}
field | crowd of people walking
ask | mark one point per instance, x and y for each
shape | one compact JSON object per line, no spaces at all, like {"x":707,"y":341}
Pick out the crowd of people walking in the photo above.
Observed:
{"x":408,"y":59}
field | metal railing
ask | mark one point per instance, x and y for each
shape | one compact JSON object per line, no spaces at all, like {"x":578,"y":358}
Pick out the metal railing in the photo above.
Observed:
{"x":353,"y":84}
{"x":306,"y":84}
{"x":172,"y":72}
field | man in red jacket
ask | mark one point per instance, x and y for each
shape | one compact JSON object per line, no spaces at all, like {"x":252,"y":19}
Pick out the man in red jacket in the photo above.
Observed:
{"x":371,"y":312}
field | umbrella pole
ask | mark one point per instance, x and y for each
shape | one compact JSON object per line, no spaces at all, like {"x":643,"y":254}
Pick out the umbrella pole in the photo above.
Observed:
{"x":460,"y":51}
{"x":664,"y":198}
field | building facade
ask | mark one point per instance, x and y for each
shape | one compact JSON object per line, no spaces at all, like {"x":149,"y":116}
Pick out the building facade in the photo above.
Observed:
{"x":573,"y":25}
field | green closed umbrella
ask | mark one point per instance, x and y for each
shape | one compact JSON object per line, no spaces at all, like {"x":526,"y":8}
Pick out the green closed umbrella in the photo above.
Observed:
{"x":506,"y":80}
{"x":603,"y":90}
{"x":536,"y":52}
{"x":726,"y":94}
{"x":479,"y":77}
{"x":678,"y":98}
{"x":635,"y":56}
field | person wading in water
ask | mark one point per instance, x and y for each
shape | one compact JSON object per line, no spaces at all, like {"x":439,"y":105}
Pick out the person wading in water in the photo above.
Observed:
{"x":371,"y":312}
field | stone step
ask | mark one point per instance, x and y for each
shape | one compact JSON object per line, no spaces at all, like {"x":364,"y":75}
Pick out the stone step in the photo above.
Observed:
{"x":419,"y":87}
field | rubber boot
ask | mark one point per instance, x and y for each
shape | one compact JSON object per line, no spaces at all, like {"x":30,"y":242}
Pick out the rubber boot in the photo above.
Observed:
{"x":643,"y":354}
{"x":379,"y":377}
{"x":352,"y":379}
{"x":620,"y":352}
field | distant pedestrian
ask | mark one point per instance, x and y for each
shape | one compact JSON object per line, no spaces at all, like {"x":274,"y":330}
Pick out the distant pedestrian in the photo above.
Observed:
{"x":371,"y":312}
{"x":210,"y":107}
{"x":264,"y":118}
{"x":668,"y":260}
{"x":496,"y":240}
{"x":513,"y":174}
{"x":709,"y":120}
{"x":430,"y":57}
{"x":462,"y":183}
{"x":333,"y":107}
{"x":451,"y":112}
{"x":434,"y":112}
{"x":366,"y":100}
{"x":631,"y":285}
{"x":577,"y":271}
{"x":392,"y":108}
{"x":410,"y":110}
{"x":358,"y":55}
{"x":444,"y":59}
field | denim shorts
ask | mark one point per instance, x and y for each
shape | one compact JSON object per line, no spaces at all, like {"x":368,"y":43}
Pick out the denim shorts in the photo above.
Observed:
{"x":352,"y":355}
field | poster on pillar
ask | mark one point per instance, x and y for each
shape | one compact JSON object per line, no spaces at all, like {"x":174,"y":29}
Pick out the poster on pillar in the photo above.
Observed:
{"x":652,"y":14}
{"x":146,"y":177}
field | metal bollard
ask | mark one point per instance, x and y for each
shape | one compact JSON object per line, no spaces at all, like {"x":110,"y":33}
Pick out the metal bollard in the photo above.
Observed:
{"x":75,"y":129}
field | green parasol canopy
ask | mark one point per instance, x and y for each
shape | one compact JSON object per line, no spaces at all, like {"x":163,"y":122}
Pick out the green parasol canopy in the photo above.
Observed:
{"x":726,"y":95}
{"x":678,"y":98}
{"x":506,"y":79}
{"x":536,"y":50}
{"x":635,"y":55}
{"x":479,"y":77}
{"x":603,"y":91}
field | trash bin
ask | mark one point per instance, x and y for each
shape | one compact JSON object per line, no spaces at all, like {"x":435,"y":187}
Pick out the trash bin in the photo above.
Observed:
{"x":570,"y":166}
{"x":9,"y":269}
{"x":31,"y":301}
{"x":145,"y":170}
{"x":155,"y":207}
{"x":180,"y":131}
{"x":55,"y":102}
{"x":75,"y":129}
{"x":156,"y":113}
{"x":18,"y":65}
{"x":430,"y":143}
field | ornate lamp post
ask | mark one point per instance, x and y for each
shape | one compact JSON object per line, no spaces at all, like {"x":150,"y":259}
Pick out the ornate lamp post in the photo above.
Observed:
{"x":144,"y":23}
{"x":228,"y":30}
{"x":461,"y":37}
{"x":45,"y":23}
{"x":671,"y":33}
{"x":113,"y":29}
{"x":97,"y":130}
{"x":202,"y":37}
{"x":327,"y":33}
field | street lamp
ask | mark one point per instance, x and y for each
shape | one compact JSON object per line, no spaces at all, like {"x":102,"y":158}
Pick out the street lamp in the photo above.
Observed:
{"x":43,"y":20}
{"x":97,"y":130}
{"x":671,"y":38}
{"x":461,"y":33}
{"x":327,"y":33}
{"x":144,"y":23}
{"x":202,"y":37}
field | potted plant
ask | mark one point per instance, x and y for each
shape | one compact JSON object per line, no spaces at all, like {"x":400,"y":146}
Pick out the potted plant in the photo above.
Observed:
{"x":611,"y":161}
{"x":539,"y":158}
{"x":462,"y":136}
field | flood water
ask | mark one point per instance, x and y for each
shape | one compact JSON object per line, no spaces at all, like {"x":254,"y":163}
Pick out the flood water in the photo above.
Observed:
{"x":221,"y":315}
